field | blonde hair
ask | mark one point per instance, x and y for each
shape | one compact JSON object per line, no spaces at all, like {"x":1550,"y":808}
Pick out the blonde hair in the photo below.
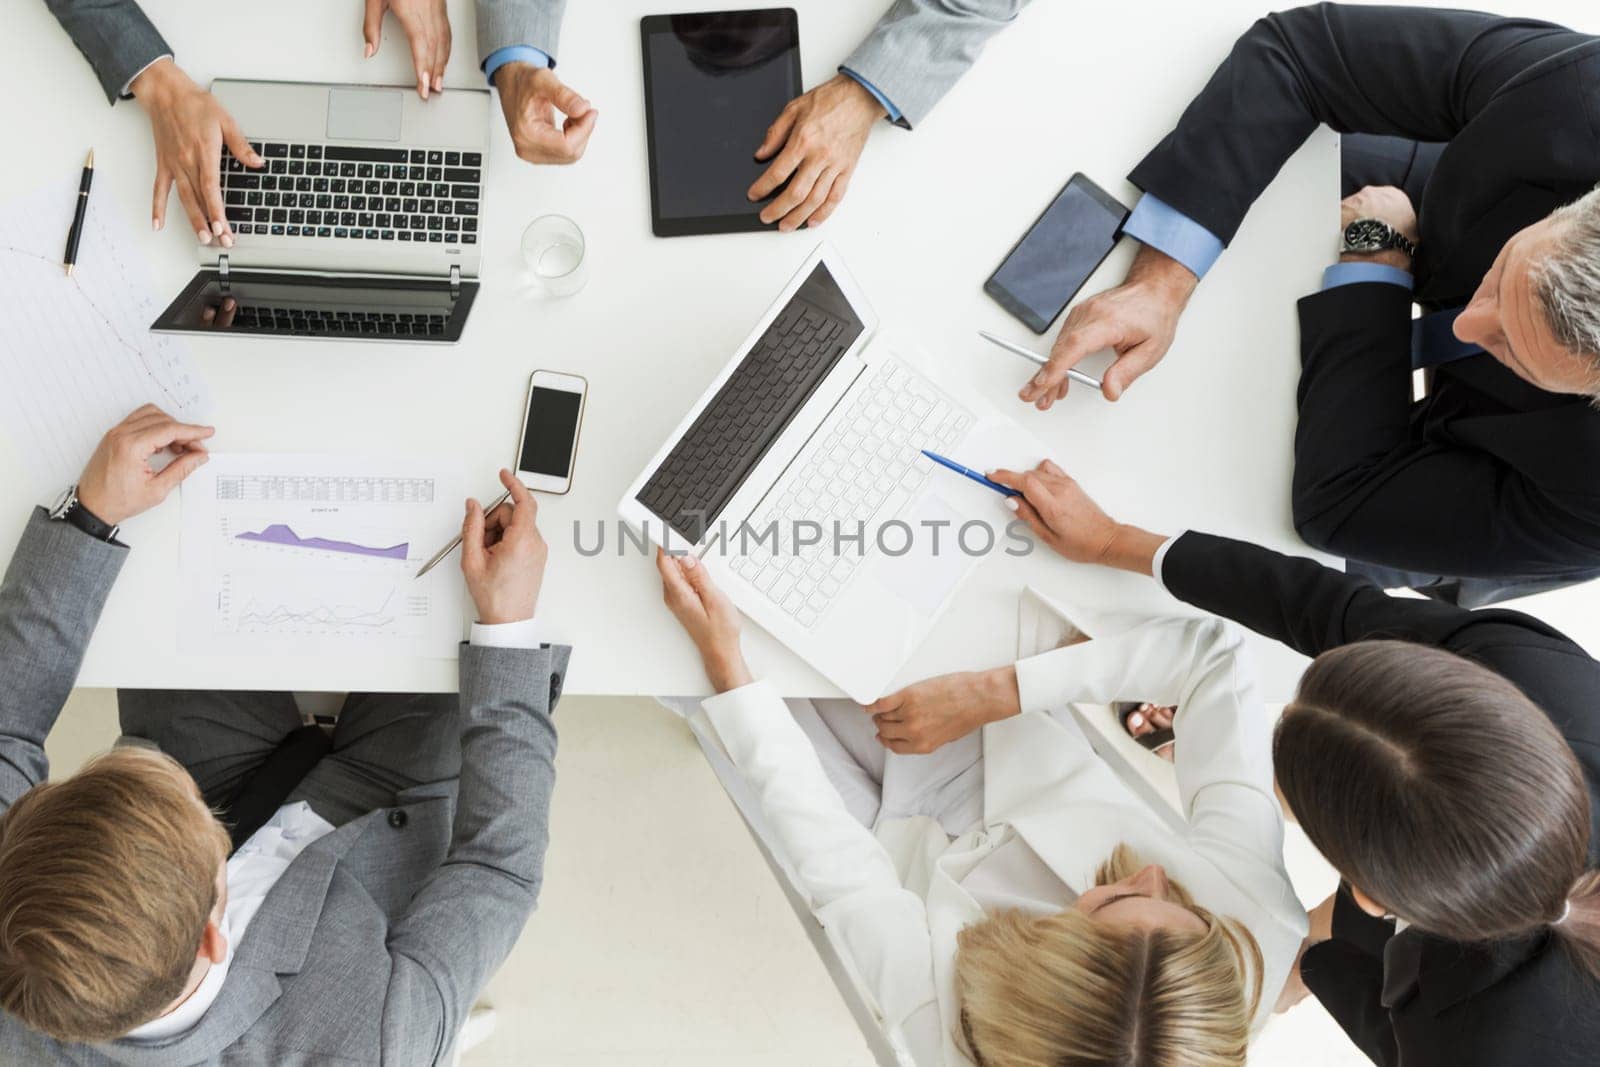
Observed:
{"x":1067,"y":990}
{"x":107,"y":879}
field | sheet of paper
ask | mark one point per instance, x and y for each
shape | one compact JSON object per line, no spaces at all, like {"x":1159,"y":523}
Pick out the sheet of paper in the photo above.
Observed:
{"x":928,"y":571}
{"x":76,"y":352}
{"x":295,"y":554}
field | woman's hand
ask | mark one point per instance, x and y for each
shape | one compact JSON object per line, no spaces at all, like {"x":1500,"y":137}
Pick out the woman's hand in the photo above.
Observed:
{"x":923,"y":717}
{"x":708,"y":616}
{"x":1066,"y":518}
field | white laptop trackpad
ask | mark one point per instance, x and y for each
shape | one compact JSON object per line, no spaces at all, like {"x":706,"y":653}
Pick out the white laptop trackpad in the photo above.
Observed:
{"x":364,"y":114}
{"x":924,"y":576}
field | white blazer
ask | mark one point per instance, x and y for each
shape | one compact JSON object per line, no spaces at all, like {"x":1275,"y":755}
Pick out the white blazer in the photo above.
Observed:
{"x":892,"y":899}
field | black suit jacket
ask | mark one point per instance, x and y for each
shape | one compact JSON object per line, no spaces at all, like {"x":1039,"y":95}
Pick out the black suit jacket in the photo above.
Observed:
{"x":1412,"y":999}
{"x":1489,"y":477}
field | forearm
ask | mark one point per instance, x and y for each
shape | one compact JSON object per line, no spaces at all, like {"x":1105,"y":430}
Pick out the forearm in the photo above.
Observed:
{"x":50,"y":600}
{"x":115,"y":37}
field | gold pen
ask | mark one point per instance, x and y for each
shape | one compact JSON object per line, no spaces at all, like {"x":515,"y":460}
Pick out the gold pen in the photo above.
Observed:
{"x":451,"y":547}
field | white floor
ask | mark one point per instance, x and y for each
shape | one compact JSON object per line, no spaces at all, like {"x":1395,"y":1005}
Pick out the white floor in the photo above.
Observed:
{"x":661,"y":937}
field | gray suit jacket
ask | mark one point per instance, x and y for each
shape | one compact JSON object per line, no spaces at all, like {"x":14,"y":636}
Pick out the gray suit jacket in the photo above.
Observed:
{"x":119,"y":41}
{"x":921,"y":48}
{"x":375,"y":943}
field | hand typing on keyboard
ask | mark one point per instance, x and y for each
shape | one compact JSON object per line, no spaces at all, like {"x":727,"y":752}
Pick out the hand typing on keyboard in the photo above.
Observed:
{"x":190,"y":127}
{"x":530,"y":96}
{"x":427,"y":26}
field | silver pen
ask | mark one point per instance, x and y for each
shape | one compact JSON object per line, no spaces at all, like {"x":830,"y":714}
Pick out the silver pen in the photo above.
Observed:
{"x":455,"y":541}
{"x":1034,"y":357}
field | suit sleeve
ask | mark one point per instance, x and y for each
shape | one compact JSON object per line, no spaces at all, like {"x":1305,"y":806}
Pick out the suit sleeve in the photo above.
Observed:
{"x":1366,"y":488}
{"x":1223,"y":751}
{"x":115,"y":37}
{"x":844,"y":873}
{"x":466,"y":917}
{"x":1410,"y":72}
{"x":1345,"y":973}
{"x":504,"y":23}
{"x":50,"y":601}
{"x":920,"y":48}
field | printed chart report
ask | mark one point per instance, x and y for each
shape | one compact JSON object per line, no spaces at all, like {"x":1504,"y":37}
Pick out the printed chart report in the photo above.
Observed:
{"x":290,"y":554}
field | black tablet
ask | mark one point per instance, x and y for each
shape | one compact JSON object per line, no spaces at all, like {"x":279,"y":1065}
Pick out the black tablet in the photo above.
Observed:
{"x":713,"y":83}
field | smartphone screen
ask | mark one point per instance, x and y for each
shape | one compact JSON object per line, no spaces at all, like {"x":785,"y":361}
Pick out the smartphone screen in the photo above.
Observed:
{"x":1057,"y":255}
{"x":551,"y":433}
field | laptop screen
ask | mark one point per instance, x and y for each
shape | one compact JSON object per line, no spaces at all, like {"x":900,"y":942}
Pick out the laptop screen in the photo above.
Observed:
{"x":692,"y":486}
{"x":294,"y":305}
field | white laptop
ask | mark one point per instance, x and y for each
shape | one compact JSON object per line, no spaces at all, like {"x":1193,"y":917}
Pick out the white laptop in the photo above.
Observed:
{"x":364,"y":224}
{"x":817,"y":419}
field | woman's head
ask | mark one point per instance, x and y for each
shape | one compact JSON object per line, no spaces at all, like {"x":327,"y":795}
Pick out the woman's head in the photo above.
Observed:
{"x":1134,"y":972}
{"x":1440,"y":791}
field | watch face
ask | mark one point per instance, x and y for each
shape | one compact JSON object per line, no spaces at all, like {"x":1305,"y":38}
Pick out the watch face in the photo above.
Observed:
{"x":68,"y":497}
{"x":1367,"y":235}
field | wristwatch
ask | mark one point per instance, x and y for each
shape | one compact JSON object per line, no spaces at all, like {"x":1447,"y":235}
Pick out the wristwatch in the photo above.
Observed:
{"x":69,"y":509}
{"x":1375,"y":235}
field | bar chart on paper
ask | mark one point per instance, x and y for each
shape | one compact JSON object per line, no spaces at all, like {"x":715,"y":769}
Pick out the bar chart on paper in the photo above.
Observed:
{"x":293,"y":553}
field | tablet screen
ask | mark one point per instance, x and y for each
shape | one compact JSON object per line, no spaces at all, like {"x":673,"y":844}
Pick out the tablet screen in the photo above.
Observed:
{"x":713,"y":84}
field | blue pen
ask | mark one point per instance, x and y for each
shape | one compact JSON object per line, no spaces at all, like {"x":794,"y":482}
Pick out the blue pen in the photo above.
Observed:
{"x":1003,"y":490}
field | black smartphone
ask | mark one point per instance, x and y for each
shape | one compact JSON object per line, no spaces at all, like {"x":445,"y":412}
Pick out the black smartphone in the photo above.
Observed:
{"x":1058,"y":253}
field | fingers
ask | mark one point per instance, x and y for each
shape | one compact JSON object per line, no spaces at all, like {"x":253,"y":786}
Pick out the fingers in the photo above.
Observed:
{"x":233,"y":136}
{"x":787,"y":162}
{"x":190,"y":200}
{"x":1074,"y":343}
{"x":675,"y":588}
{"x":524,"y":510}
{"x":441,"y":47}
{"x":158,"y":198}
{"x":569,"y":101}
{"x":372,"y":27}
{"x":891,"y":702}
{"x":210,"y":179}
{"x":474,"y":556}
{"x":807,"y":209}
{"x":575,"y":132}
{"x":179,"y":469}
{"x":1129,"y":368}
{"x":794,"y":193}
{"x":420,"y":33}
{"x":777,"y":134}
{"x":835,"y":195}
{"x":1049,"y":467}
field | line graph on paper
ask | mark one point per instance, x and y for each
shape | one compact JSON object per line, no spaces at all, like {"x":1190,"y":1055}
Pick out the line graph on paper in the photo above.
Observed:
{"x":307,"y":553}
{"x":76,"y":352}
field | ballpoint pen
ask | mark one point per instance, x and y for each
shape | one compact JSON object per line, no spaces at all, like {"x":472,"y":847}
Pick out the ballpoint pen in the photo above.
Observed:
{"x":1003,"y":490}
{"x":451,"y":547}
{"x":69,"y":258}
{"x":1034,"y":357}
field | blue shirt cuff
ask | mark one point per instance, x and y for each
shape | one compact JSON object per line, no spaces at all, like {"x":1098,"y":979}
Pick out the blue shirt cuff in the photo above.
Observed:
{"x":1353,"y":273}
{"x":888,"y":105}
{"x":1166,"y":229}
{"x":515,"y":53}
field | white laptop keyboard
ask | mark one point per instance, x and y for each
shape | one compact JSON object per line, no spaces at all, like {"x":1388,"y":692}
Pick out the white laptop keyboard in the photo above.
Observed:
{"x":863,"y":466}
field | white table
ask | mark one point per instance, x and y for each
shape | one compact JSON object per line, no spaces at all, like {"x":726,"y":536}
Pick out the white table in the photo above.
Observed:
{"x":1203,"y":442}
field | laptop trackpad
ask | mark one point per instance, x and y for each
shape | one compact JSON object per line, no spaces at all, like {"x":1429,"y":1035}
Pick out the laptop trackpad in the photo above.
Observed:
{"x":924,"y":575}
{"x":364,"y":114}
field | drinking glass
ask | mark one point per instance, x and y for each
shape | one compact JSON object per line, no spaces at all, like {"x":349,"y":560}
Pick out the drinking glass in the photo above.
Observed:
{"x":553,"y":248}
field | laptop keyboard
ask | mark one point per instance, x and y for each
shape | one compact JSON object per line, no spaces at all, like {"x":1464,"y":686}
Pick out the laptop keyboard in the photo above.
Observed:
{"x":866,"y":464}
{"x":751,"y":410}
{"x":323,"y":322}
{"x":344,"y":192}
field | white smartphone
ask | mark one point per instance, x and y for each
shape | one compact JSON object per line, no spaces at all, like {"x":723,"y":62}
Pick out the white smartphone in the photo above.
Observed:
{"x":551,"y":420}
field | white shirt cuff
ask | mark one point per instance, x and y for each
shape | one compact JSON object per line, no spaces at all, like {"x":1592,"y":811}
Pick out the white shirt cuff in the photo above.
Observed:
{"x":127,"y":90}
{"x":524,"y":634}
{"x":1161,"y":558}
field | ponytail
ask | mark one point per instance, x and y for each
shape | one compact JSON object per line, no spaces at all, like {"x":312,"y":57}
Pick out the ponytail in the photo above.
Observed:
{"x":1579,"y":931}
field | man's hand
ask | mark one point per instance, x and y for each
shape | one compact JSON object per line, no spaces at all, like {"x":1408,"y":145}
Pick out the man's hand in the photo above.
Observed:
{"x":1386,"y":204}
{"x":934,"y":712}
{"x":427,"y":26}
{"x":821,"y":135}
{"x":1138,"y":319}
{"x":1066,"y":518}
{"x":708,"y":616}
{"x":530,"y":96}
{"x":190,"y":128}
{"x":503,"y":556}
{"x":118,"y":482}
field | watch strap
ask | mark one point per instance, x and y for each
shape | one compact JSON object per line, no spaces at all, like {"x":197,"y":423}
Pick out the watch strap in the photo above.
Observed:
{"x":90,"y":523}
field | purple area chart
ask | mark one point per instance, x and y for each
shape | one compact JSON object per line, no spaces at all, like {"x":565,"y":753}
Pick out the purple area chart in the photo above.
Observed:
{"x":285,"y":536}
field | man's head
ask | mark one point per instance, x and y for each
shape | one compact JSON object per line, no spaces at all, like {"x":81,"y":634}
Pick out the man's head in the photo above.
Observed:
{"x":111,"y":882}
{"x":1538,"y":309}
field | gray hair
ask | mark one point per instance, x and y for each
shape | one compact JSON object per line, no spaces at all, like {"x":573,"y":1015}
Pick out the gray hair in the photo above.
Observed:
{"x":1567,"y":282}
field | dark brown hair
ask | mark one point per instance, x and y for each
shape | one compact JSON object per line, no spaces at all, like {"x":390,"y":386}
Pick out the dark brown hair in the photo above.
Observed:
{"x":1440,"y":790}
{"x":106,"y":881}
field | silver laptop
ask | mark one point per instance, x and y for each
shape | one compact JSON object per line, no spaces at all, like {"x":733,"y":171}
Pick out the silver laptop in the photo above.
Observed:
{"x":819,"y":420}
{"x":366,"y":222}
